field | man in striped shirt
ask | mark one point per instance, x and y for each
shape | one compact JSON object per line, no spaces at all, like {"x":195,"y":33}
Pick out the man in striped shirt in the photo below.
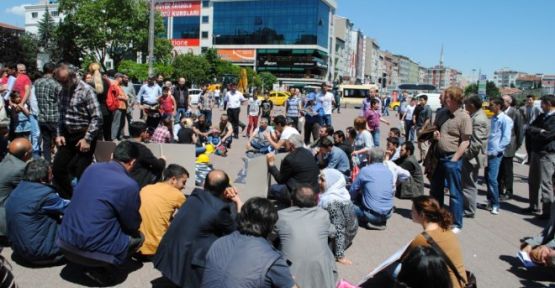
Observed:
{"x":78,"y":125}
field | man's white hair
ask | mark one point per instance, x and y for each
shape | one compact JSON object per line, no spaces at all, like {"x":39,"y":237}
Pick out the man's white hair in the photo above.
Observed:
{"x":296,"y":140}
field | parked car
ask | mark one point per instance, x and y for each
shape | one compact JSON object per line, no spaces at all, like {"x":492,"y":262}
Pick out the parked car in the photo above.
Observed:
{"x":278,"y":98}
{"x":194,"y":95}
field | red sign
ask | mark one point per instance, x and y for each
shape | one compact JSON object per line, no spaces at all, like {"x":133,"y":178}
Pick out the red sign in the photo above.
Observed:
{"x":179,"y":9}
{"x":185,"y":42}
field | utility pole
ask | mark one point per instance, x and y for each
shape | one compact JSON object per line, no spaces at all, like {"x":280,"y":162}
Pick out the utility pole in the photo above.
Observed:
{"x":151,"y":38}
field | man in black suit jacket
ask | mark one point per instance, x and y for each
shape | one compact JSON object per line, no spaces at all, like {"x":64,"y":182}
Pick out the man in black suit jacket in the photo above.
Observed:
{"x":505,"y":177}
{"x":148,"y":169}
{"x":298,"y":167}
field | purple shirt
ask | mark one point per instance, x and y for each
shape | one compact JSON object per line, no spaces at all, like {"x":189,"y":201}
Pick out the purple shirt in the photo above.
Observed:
{"x":373,"y":119}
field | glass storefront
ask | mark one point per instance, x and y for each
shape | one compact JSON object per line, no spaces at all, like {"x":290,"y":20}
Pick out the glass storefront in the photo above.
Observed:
{"x":292,"y":63}
{"x":272,"y":22}
{"x":186,"y":27}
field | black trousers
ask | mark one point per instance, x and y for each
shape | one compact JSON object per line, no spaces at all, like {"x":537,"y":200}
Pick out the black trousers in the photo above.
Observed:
{"x":233,"y":114}
{"x":505,"y":177}
{"x":70,"y":163}
{"x":48,"y":134}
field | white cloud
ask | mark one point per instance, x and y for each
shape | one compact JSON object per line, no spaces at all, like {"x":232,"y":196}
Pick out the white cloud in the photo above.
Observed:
{"x":17,"y":10}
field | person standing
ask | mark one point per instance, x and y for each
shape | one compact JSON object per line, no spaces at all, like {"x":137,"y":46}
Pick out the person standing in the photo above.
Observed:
{"x":498,"y":140}
{"x":101,"y":84}
{"x":206,"y":103}
{"x":408,"y":118}
{"x":181,"y":95}
{"x":129,"y":90}
{"x":474,"y":157}
{"x":234,"y":100}
{"x":47,"y":91}
{"x":116,"y":100}
{"x":506,"y":176}
{"x":254,"y":112}
{"x":78,"y":126}
{"x":266,"y":107}
{"x":529,"y":113}
{"x":423,"y":118}
{"x":373,"y":119}
{"x":22,"y":85}
{"x":327,"y":100}
{"x":313,"y":120}
{"x":542,"y":165}
{"x":148,"y":98}
{"x":293,"y":108}
{"x":453,"y":139}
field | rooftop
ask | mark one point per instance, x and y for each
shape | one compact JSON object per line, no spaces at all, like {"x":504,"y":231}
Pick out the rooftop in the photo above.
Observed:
{"x":11,"y":27}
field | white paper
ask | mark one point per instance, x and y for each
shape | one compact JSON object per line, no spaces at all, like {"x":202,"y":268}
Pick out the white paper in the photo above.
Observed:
{"x":524,"y":257}
{"x":396,"y":256}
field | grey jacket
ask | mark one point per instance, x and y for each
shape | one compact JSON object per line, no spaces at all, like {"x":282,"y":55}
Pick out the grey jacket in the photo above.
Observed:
{"x":11,"y":172}
{"x":517,"y":136}
{"x":476,"y":152}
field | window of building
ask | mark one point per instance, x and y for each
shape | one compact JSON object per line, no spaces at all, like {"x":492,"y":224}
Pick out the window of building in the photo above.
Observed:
{"x":35,"y":15}
{"x":186,"y":27}
{"x":205,"y":4}
{"x":54,"y":13}
{"x":204,"y":34}
{"x":205,"y":19}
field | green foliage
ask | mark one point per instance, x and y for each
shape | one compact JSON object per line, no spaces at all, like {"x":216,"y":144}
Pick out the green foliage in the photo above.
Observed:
{"x":47,"y":33}
{"x":165,"y":69}
{"x":268,"y":80}
{"x":134,"y":70}
{"x":491,"y":90}
{"x":19,"y":49}
{"x":194,"y":68}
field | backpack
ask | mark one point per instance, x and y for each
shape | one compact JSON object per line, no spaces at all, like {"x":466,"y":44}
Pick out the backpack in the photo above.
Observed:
{"x":112,"y":101}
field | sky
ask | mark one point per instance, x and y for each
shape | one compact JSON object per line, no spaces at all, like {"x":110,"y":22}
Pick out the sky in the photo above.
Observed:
{"x":484,"y":35}
{"x":480,"y":35}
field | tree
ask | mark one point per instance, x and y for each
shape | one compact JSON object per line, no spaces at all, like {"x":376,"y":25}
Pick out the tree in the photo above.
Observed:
{"x":115,"y":27}
{"x":193,"y":67}
{"x":491,"y":90}
{"x":47,"y":34}
{"x":19,"y":48}
{"x":268,"y":80}
{"x":134,"y":70}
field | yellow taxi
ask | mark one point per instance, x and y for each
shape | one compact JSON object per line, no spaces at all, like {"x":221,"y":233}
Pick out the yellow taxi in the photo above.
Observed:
{"x":278,"y":98}
{"x":394,"y":105}
{"x":485,"y":107}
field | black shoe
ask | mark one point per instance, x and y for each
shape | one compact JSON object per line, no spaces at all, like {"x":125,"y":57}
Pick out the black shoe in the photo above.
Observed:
{"x":468,"y":215}
{"x":505,"y":197}
{"x":531,"y":210}
{"x":543,"y":216}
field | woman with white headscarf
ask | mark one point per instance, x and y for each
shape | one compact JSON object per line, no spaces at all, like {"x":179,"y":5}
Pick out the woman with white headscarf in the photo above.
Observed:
{"x":337,"y":201}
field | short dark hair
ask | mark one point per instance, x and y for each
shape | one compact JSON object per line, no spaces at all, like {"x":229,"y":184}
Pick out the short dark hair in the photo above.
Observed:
{"x":549,"y":99}
{"x":126,"y":152}
{"x":339,"y":134}
{"x":393,"y":140}
{"x":257,"y":217}
{"x":281,"y":120}
{"x":352,"y":132}
{"x":48,"y":68}
{"x":326,"y":142}
{"x":329,"y":129}
{"x":409,"y":147}
{"x":474,"y":100}
{"x":165,"y":88}
{"x":424,"y":96}
{"x":530,"y":96}
{"x":36,"y":171}
{"x":137,"y":128}
{"x":424,"y":267}
{"x":497,"y":101}
{"x":304,"y":196}
{"x":395,"y":131}
{"x":216,"y":185}
{"x":374,"y":101}
{"x":174,"y":170}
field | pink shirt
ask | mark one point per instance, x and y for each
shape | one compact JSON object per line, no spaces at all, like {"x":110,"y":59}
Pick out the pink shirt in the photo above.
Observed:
{"x":373,"y":119}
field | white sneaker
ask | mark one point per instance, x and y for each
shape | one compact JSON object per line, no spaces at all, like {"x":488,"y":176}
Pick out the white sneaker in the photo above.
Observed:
{"x":456,"y":230}
{"x":495,"y":211}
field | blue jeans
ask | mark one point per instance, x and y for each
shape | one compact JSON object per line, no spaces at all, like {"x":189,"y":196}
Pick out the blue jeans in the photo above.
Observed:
{"x":181,"y":112}
{"x":450,"y":172}
{"x":326,"y":120}
{"x":376,"y":137}
{"x":366,"y":216}
{"x":35,"y":135}
{"x":409,"y":131}
{"x":494,"y":162}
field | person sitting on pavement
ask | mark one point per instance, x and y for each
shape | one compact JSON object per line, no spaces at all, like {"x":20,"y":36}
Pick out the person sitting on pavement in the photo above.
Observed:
{"x":258,"y":143}
{"x":147,"y":169}
{"x":415,"y":185}
{"x":393,"y":147}
{"x":373,"y":191}
{"x":159,"y":202}
{"x":33,"y":214}
{"x":11,"y":171}
{"x":225,"y":131}
{"x":163,"y":133}
{"x":297,"y":167}
{"x":335,"y":199}
{"x":284,"y":130}
{"x":330,"y":156}
{"x":325,"y":132}
{"x":206,"y":216}
{"x":202,"y":168}
{"x":303,"y":233}
{"x":340,"y":141}
{"x":541,"y":247}
{"x":202,"y":129}
{"x":423,"y":267}
{"x":436,"y":222}
{"x":245,"y":258}
{"x":101,"y":225}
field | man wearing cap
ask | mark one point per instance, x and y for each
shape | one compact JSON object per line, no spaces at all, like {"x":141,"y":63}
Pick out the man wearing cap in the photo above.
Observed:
{"x":327,"y":100}
{"x":234,"y":100}
{"x":77,"y":131}
{"x":116,"y":93}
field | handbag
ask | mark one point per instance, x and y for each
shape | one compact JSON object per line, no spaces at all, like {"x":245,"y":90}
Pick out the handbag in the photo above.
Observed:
{"x":470,"y":277}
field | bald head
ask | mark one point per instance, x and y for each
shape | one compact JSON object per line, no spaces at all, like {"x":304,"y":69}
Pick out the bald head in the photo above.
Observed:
{"x":216,"y":182}
{"x":21,"y":148}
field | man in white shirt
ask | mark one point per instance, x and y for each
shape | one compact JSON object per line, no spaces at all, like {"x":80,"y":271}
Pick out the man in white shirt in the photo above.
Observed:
{"x":408,"y":117}
{"x":234,"y":100}
{"x":285,"y":131}
{"x":327,"y":100}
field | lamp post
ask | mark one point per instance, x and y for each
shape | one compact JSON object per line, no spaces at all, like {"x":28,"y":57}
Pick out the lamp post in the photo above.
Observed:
{"x":151,"y":38}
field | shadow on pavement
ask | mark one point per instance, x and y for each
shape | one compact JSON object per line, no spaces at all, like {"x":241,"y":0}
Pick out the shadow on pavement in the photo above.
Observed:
{"x":81,"y":275}
{"x":529,"y":277}
{"x":20,"y":261}
{"x":162,"y":282}
{"x":406,"y":213}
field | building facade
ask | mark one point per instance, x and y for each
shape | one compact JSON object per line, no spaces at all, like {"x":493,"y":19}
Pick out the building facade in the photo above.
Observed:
{"x":443,"y":77}
{"x":372,"y":60}
{"x":408,"y":70}
{"x":548,"y":84}
{"x":291,"y":39}
{"x":35,"y":13}
{"x":342,"y":33}
{"x":505,"y":77}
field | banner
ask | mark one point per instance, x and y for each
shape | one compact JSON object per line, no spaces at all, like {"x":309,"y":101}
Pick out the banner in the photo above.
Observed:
{"x":237,"y":55}
{"x":179,"y":9}
{"x":185,"y":42}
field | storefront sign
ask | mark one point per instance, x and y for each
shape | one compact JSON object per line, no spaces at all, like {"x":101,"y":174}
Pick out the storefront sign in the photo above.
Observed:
{"x":179,"y":9}
{"x":185,"y":42}
{"x":237,"y":55}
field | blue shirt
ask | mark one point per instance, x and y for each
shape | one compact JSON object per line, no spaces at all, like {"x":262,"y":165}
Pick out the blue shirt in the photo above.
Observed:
{"x":500,"y":134}
{"x":337,"y":159}
{"x":149,"y":94}
{"x":374,"y":181}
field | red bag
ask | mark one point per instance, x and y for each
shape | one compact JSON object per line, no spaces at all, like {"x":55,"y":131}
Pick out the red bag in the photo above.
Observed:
{"x":354,"y":173}
{"x":112,"y":101}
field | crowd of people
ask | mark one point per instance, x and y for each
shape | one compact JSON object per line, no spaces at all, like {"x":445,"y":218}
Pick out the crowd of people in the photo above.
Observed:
{"x":329,"y":183}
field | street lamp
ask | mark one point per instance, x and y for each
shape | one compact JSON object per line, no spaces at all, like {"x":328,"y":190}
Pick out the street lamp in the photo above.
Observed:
{"x":151,"y":38}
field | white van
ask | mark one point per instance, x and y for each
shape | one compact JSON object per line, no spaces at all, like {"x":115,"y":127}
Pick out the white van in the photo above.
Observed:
{"x":433,"y":100}
{"x":194,"y":95}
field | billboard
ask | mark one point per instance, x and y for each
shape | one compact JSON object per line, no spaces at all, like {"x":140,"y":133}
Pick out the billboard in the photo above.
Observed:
{"x":184,"y":19}
{"x":179,"y":9}
{"x":238,"y":55}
